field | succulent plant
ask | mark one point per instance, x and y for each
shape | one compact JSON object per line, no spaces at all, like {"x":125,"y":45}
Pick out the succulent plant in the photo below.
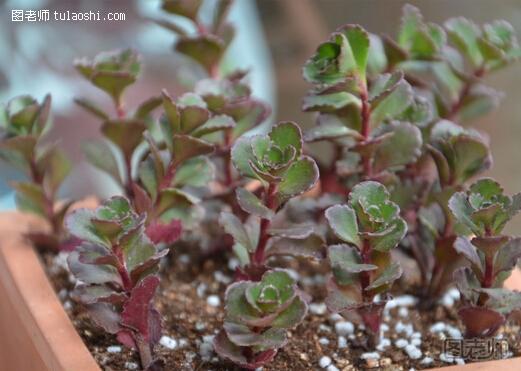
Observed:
{"x":368,"y":226}
{"x":258,"y":316}
{"x":116,"y":266}
{"x":483,"y":212}
{"x":277,"y":162}
{"x":23,"y":125}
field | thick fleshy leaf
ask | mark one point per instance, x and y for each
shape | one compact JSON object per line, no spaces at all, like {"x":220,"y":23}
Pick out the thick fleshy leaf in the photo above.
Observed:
{"x":462,"y":210}
{"x":329,"y":131}
{"x":185,"y":8}
{"x":216,"y":123}
{"x":90,"y":294}
{"x":463,"y":246}
{"x":330,"y":102}
{"x":92,"y":273}
{"x":242,"y":335}
{"x":233,"y":226}
{"x":186,"y":147}
{"x":311,"y":246}
{"x":390,"y":274}
{"x":18,"y":152}
{"x":392,"y":237}
{"x":252,"y":204}
{"x":92,"y":108}
{"x":464,"y":34}
{"x":392,"y":102}
{"x":342,"y":220}
{"x":125,"y":134}
{"x":207,"y":50}
{"x":299,"y":178}
{"x":195,"y":172}
{"x":166,"y":233}
{"x":421,"y":40}
{"x":105,"y":316}
{"x":228,"y":350}
{"x":407,"y":138}
{"x":242,"y":154}
{"x":286,"y":134}
{"x":479,"y":321}
{"x":291,"y":316}
{"x":30,"y":197}
{"x":55,"y":165}
{"x":137,"y":312}
{"x":359,"y":44}
{"x":508,"y":256}
{"x":100,"y":155}
{"x":348,"y":259}
{"x":145,"y":108}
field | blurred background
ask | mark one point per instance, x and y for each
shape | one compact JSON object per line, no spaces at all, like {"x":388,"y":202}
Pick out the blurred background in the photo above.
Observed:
{"x":275,"y":38}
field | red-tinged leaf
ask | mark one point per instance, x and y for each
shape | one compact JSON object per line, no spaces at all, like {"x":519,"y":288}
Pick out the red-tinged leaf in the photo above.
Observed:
{"x":480,"y":322}
{"x":138,"y":313}
{"x":142,"y":201}
{"x":125,"y":338}
{"x":150,"y":266}
{"x":228,"y":350}
{"x":104,"y":316}
{"x":166,"y":233}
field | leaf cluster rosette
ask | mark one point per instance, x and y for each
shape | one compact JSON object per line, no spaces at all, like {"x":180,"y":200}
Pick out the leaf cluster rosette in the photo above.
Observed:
{"x":276,"y":160}
{"x":369,"y":227}
{"x":23,"y":125}
{"x":258,"y":316}
{"x":483,"y":212}
{"x":364,"y":118}
{"x":116,"y":266}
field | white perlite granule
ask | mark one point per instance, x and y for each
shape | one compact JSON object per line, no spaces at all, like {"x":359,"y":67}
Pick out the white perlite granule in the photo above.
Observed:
{"x":413,"y":352}
{"x":324,"y":361}
{"x":168,"y":342}
{"x":318,"y":308}
{"x":344,"y":328}
{"x":401,"y":343}
{"x":427,"y":361}
{"x":213,"y":300}
{"x":323,"y":341}
{"x":342,"y":342}
{"x":332,"y":368}
{"x":114,"y":349}
{"x":370,"y":355}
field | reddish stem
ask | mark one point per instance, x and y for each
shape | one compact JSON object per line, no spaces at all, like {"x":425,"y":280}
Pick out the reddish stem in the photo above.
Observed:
{"x":465,"y":91}
{"x":122,"y":270}
{"x":366,"y":129}
{"x":365,"y":276}
{"x":269,"y":201}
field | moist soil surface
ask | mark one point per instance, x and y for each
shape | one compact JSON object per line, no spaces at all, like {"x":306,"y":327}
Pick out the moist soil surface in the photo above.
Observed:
{"x":192,"y":314}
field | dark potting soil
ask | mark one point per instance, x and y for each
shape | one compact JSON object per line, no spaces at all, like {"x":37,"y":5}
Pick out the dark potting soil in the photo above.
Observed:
{"x":191,"y":300}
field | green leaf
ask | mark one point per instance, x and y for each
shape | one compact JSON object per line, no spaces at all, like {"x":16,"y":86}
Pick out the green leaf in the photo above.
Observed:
{"x":392,"y":236}
{"x":330,"y":131}
{"x":463,"y":246}
{"x":30,"y":197}
{"x":479,"y":101}
{"x":251,"y":204}
{"x":125,"y":134}
{"x":330,"y":102}
{"x":286,"y":134}
{"x":216,"y":123}
{"x":462,"y":211}
{"x":421,"y":41}
{"x":390,"y":274}
{"x":186,"y":147}
{"x":359,"y":43}
{"x":207,"y":50}
{"x":464,"y":34}
{"x":195,"y":172}
{"x":233,"y":226}
{"x":310,"y":246}
{"x":92,"y":108}
{"x":192,"y":117}
{"x":184,"y":8}
{"x":242,"y":155}
{"x":342,"y":220}
{"x":391,"y":102}
{"x":301,"y":176}
{"x":508,"y":256}
{"x":18,"y":152}
{"x":146,"y":108}
{"x":407,"y":138}
{"x":292,"y":316}
{"x":347,"y":259}
{"x":55,"y":166}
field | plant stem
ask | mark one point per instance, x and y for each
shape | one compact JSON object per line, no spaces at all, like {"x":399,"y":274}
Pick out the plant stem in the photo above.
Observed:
{"x":49,"y":200}
{"x":365,"y":276}
{"x":269,"y":201}
{"x":366,"y":129}
{"x":465,"y":91}
{"x":145,"y":352}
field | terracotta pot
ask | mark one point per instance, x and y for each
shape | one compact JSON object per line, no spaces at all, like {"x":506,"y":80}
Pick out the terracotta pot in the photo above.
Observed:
{"x":36,"y":333}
